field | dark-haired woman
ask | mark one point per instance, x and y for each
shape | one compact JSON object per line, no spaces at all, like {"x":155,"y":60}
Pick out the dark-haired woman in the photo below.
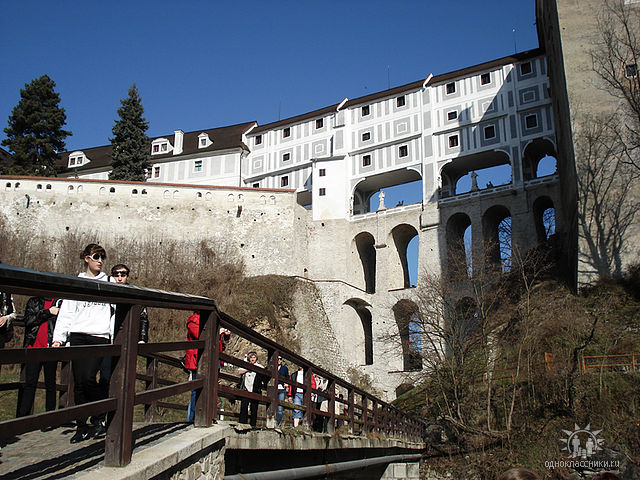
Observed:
{"x":86,"y":323}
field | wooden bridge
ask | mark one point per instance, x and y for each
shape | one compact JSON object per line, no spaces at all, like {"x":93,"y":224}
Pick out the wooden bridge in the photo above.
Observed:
{"x":379,"y":432}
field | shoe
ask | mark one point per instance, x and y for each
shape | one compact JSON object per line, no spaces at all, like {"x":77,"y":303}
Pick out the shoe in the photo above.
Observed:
{"x":81,"y":435}
{"x":100,"y":432}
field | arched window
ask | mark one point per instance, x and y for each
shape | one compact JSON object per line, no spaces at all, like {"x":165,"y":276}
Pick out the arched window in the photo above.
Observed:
{"x":360,"y":307}
{"x":366,"y":250}
{"x":410,"y":330}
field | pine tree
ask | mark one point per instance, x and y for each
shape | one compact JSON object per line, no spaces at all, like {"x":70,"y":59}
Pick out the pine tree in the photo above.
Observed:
{"x":130,"y":143}
{"x":35,"y":134}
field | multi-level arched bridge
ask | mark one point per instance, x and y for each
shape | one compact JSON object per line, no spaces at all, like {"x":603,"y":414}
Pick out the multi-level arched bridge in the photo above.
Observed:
{"x":375,"y":440}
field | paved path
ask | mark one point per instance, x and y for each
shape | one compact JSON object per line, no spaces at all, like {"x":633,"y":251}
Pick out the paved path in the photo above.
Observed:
{"x":49,"y":455}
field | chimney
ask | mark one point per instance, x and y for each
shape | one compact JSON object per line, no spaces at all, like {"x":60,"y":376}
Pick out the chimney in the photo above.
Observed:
{"x":178,"y":139}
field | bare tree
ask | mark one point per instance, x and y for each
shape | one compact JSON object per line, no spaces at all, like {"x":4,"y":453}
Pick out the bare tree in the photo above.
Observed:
{"x":615,"y":62}
{"x":607,"y":206}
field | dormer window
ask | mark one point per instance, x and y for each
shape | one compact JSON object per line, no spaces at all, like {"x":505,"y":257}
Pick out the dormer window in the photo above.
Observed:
{"x":204,"y":141}
{"x":77,"y":159}
{"x":160,"y":146}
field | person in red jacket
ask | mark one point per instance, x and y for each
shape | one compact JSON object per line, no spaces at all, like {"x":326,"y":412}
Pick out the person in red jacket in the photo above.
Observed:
{"x":191,"y":357}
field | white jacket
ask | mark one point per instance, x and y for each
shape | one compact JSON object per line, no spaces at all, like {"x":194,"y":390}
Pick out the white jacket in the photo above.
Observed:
{"x":92,"y":318}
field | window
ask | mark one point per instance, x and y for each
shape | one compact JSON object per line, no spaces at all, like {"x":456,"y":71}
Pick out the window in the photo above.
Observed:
{"x":322,"y":172}
{"x":164,"y":147}
{"x":286,"y":157}
{"x":365,"y":110}
{"x":489,"y":132}
{"x":320,"y":123}
{"x":631,"y":70}
{"x":366,"y":160}
{"x":286,"y":132}
{"x":256,"y":185}
{"x":156,"y":172}
{"x":401,"y":101}
{"x":452,"y":115}
{"x":528,"y":96}
{"x":403,"y":151}
{"x":322,"y":192}
{"x":366,"y":136}
{"x":72,"y":161}
{"x":203,"y":142}
{"x":148,"y":172}
{"x":525,"y":68}
{"x":197,"y":166}
{"x":284,"y":181}
{"x":258,"y":139}
{"x":451,"y":88}
{"x":156,"y":148}
{"x":531,"y":121}
{"x":453,"y":141}
{"x":485,"y":78}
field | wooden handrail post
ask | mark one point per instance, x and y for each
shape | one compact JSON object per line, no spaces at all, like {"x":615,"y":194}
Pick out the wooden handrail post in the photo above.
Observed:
{"x":307,"y":420}
{"x":365,"y":414}
{"x":118,"y":443}
{"x":351,"y":409}
{"x":208,"y":368}
{"x":272,"y":390}
{"x":151,"y":410}
{"x":331,"y":391}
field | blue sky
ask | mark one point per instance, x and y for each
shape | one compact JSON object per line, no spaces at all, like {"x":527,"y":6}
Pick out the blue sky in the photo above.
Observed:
{"x":211,"y":63}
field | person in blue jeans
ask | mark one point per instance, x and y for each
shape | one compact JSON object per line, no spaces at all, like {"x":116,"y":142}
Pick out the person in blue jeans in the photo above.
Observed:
{"x":283,"y":371}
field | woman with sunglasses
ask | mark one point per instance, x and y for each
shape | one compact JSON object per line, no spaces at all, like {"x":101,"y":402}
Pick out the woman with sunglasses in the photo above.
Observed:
{"x":86,"y":323}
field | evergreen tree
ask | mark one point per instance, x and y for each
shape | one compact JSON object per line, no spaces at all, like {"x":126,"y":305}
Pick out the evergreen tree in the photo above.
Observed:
{"x":35,"y":134}
{"x":130,"y":143}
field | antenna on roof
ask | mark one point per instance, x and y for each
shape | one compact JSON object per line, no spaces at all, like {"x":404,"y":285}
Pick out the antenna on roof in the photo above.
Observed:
{"x":515,"y":46}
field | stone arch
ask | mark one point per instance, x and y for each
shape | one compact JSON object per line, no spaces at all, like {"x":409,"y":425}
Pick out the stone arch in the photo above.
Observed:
{"x":360,"y":307}
{"x":399,"y":266}
{"x":365,"y":245}
{"x":112,"y":190}
{"x":459,"y":258}
{"x":134,"y":191}
{"x":535,"y":151}
{"x":484,"y":162}
{"x":496,"y":233}
{"x":406,"y":316}
{"x":544,"y":218}
{"x":462,"y":321}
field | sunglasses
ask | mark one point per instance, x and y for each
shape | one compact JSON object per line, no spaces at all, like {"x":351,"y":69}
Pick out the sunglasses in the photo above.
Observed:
{"x":120,"y":273}
{"x":97,"y":256}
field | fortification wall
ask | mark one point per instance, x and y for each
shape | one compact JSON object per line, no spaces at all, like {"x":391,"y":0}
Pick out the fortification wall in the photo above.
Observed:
{"x":254,"y":224}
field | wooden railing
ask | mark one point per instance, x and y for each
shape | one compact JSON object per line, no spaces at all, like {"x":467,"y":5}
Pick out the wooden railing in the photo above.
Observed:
{"x":364,"y":412}
{"x":622,"y":362}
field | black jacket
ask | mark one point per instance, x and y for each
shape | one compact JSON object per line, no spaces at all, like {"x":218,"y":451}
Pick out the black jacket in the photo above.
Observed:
{"x":121,"y":313}
{"x":34,"y":316}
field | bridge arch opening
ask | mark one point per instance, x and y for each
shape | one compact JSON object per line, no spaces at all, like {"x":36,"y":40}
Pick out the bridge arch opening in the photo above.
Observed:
{"x":365,"y":245}
{"x":401,"y":187}
{"x":407,"y":316}
{"x":539,"y":159}
{"x":473,"y":173}
{"x":496,"y":228}
{"x":365,"y":340}
{"x":458,"y":239}
{"x":544,"y":218}
{"x":402,"y":268}
{"x":462,"y":321}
